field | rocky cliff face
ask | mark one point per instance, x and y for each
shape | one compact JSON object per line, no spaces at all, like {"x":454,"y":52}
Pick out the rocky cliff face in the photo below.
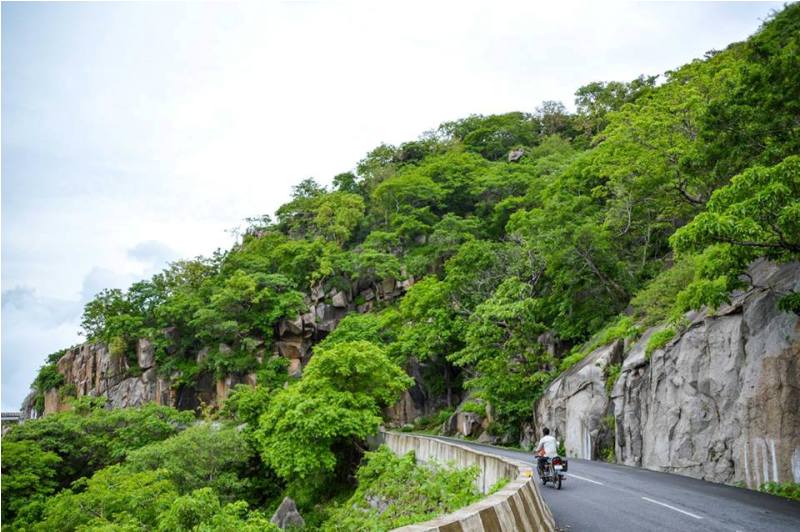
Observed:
{"x":577,"y":406}
{"x":721,"y":401}
{"x":93,"y":371}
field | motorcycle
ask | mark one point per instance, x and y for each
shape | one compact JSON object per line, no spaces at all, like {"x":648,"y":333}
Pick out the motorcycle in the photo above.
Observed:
{"x":552,"y":470}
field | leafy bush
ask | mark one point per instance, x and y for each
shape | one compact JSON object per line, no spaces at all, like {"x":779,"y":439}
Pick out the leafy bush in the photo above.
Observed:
{"x":474,"y":407}
{"x":497,"y":486}
{"x":609,"y":455}
{"x":91,"y":437}
{"x":395,"y":491}
{"x":654,"y":303}
{"x":789,"y":490}
{"x":116,"y":498}
{"x":623,"y":328}
{"x":207,"y":456}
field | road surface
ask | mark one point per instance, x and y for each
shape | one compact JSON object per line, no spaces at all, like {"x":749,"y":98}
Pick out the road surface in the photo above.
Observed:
{"x":600,"y":496}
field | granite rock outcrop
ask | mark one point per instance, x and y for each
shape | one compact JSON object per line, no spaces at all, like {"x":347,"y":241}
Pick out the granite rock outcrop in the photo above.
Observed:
{"x":720,"y":401}
{"x":90,"y":369}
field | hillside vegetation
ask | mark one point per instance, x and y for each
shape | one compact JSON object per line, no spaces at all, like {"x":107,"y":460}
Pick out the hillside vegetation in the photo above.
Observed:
{"x":530,"y":237}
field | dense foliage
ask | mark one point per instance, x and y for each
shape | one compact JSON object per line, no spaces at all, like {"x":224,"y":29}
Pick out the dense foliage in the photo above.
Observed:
{"x":790,"y":490}
{"x":528,"y":239}
{"x":312,"y":427}
{"x":396,"y":491}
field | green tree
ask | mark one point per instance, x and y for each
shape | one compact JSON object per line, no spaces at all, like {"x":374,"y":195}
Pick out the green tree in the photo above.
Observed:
{"x":334,"y":407}
{"x":91,"y":437}
{"x":29,"y":475}
{"x":756,"y":215}
{"x":430,"y":330}
{"x":597,"y":99}
{"x":246,"y":304}
{"x":201,"y":511}
{"x":113,"y":495}
{"x":508,"y":367}
{"x":494,"y":136}
{"x":204,"y":455}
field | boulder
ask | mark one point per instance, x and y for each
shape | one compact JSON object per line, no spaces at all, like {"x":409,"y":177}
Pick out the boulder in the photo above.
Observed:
{"x":287,"y":515}
{"x":488,"y":439}
{"x":317,"y":292}
{"x":339,"y":299}
{"x":378,"y":503}
{"x":52,"y":401}
{"x":28,"y":408}
{"x":720,"y":401}
{"x":515,"y":155}
{"x":527,"y":437}
{"x":145,"y":353}
{"x":465,"y":424}
{"x":294,"y":326}
{"x":295,"y":368}
{"x":386,"y":287}
{"x":292,"y":348}
{"x":368,"y":294}
{"x":468,"y":423}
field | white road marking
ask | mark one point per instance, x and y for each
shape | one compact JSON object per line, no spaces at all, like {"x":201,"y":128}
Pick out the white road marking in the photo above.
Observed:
{"x":673,"y":508}
{"x":586,"y":479}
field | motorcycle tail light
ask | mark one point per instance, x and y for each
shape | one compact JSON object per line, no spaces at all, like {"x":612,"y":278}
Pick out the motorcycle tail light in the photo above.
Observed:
{"x":556,"y":460}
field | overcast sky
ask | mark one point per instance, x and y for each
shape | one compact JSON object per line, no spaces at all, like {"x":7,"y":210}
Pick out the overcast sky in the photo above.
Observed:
{"x":135,"y":134}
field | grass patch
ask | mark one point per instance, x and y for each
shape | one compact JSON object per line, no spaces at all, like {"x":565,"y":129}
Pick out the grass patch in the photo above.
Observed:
{"x":658,"y":340}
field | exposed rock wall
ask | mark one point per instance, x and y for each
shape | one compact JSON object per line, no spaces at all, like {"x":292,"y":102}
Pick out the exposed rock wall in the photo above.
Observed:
{"x":576,"y":405}
{"x":721,"y":401}
{"x":94,"y":371}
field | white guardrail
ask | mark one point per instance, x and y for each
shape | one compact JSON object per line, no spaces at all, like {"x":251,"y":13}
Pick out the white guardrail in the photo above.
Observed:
{"x":518,"y":506}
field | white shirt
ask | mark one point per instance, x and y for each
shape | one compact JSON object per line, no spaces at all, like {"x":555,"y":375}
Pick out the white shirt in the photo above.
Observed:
{"x":550,"y":446}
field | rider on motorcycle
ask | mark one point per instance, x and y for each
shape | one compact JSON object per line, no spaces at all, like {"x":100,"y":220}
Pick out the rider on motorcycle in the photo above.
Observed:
{"x":546,"y":449}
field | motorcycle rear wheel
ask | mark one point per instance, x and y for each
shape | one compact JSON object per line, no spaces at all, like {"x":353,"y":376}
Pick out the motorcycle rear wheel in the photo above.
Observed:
{"x":558,"y":482}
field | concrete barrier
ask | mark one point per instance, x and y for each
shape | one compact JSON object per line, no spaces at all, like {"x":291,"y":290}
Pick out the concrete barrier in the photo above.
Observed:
{"x":517,"y":507}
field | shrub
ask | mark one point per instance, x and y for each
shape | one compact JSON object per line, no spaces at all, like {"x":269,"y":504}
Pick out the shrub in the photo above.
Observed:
{"x":395,"y":491}
{"x":790,"y":490}
{"x":205,"y":455}
{"x":654,"y":302}
{"x":474,"y":407}
{"x":658,"y":340}
{"x":623,"y":328}
{"x":90,"y":437}
{"x":612,"y":374}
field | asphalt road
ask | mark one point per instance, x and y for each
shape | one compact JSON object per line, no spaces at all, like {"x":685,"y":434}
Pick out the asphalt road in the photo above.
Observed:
{"x":600,"y":496}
